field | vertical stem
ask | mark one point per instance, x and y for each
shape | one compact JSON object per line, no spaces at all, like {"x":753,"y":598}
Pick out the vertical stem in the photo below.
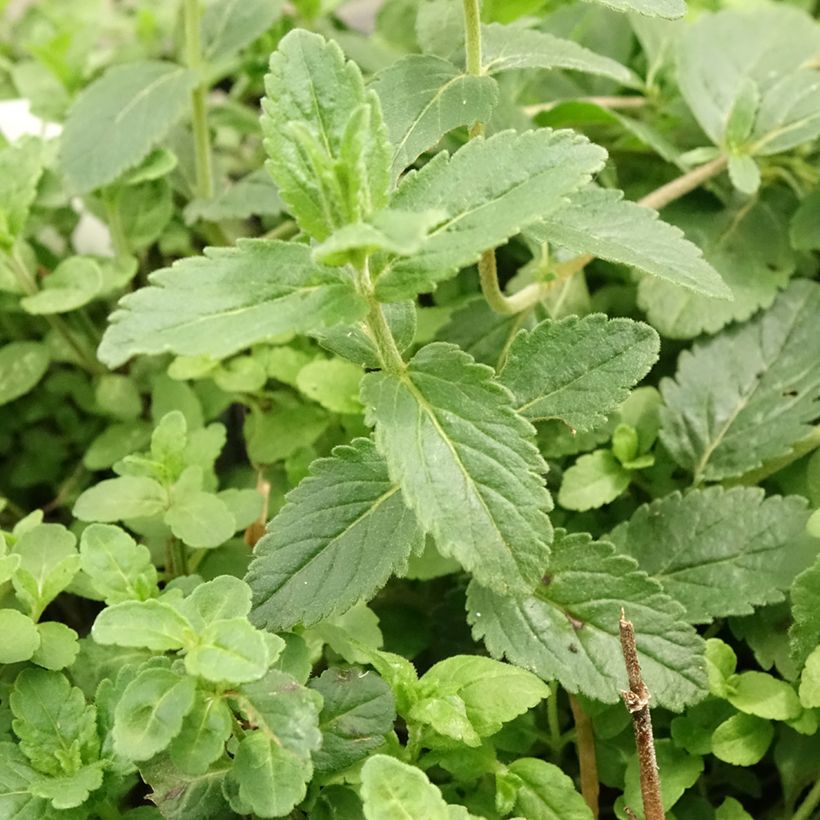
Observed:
{"x":472,"y":37}
{"x":385,"y":342}
{"x":587,"y":760}
{"x":809,"y":804}
{"x":552,"y":717}
{"x":199,"y":120}
{"x":637,"y":702}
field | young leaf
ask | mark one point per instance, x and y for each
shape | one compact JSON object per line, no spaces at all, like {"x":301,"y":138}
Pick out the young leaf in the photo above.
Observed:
{"x":22,"y":365}
{"x":750,"y":393}
{"x":568,"y":629}
{"x":724,"y":552}
{"x":16,"y":780}
{"x":772,"y":48}
{"x":509,"y":48}
{"x":230,"y":650}
{"x":201,"y":740}
{"x":181,"y":796}
{"x":119,"y":568}
{"x":119,"y":118}
{"x":230,"y":25}
{"x":465,"y":463}
{"x":70,"y":791}
{"x":117,"y":499}
{"x":153,"y":624}
{"x":21,"y":638}
{"x":595,"y":479}
{"x":391,"y":788}
{"x":546,"y":793}
{"x":58,"y":646}
{"x":150,"y":713}
{"x":578,"y":370}
{"x":199,"y":519}
{"x":324,"y":134}
{"x":224,"y":597}
{"x":763,"y":695}
{"x":56,"y":728}
{"x":252,"y":195}
{"x":343,"y":531}
{"x":357,"y":714}
{"x":72,"y":284}
{"x":423,"y":98}
{"x":229,"y":299}
{"x":21,"y":166}
{"x":804,"y":634}
{"x":742,"y":740}
{"x":603,"y":223}
{"x":490,"y":190}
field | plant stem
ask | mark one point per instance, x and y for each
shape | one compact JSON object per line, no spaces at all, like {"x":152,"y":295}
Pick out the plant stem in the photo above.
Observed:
{"x":809,"y":804}
{"x":684,"y":184}
{"x":637,"y":702}
{"x":472,"y":35}
{"x":587,"y":761}
{"x":199,"y":120}
{"x":389,"y":353}
{"x":612,"y":103}
{"x":552,"y":717}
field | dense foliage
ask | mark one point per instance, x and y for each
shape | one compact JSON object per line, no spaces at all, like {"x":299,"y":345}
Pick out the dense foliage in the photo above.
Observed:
{"x":331,"y":462}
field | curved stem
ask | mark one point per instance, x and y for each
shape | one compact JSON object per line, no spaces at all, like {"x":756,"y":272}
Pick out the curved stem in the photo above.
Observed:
{"x":199,"y":119}
{"x":684,"y":184}
{"x":389,"y":353}
{"x":809,"y":804}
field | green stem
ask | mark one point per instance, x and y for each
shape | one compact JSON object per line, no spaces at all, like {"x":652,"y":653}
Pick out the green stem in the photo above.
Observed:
{"x":809,"y":804}
{"x":118,"y":238}
{"x":389,"y":353}
{"x":552,"y":717}
{"x":199,"y":119}
{"x":472,"y":34}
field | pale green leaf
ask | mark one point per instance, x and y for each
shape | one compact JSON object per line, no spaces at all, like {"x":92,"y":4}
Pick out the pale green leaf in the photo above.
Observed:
{"x":181,"y":796}
{"x":578,"y":370}
{"x":229,"y":299}
{"x":324,"y":134}
{"x":150,"y":713}
{"x":20,"y":636}
{"x":669,"y":9}
{"x":568,"y":629}
{"x":22,"y":365}
{"x":748,"y":247}
{"x":58,"y":646}
{"x":119,"y":568}
{"x":774,"y":48}
{"x":507,"y":48}
{"x":119,"y":118}
{"x":803,"y":231}
{"x":750,"y":393}
{"x":201,"y":740}
{"x":742,"y":740}
{"x":392,"y":789}
{"x":252,"y":195}
{"x":763,"y":695}
{"x":283,"y":430}
{"x":21,"y":166}
{"x":602,"y":223}
{"x":810,"y":681}
{"x":466,"y":464}
{"x":357,"y":713}
{"x":153,"y":624}
{"x":116,"y":499}
{"x":804,"y":634}
{"x":199,"y":519}
{"x":118,"y":396}
{"x":594,"y":480}
{"x":230,"y":25}
{"x":490,"y":189}
{"x":546,"y":793}
{"x":229,"y":650}
{"x":16,"y":780}
{"x":333,"y":383}
{"x":744,"y":173}
{"x":724,"y":552}
{"x":423,"y":98}
{"x":224,"y":597}
{"x":344,"y":530}
{"x":70,"y":791}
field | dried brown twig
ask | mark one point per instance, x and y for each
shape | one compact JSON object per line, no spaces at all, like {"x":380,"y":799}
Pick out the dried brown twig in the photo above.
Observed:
{"x":637,"y":702}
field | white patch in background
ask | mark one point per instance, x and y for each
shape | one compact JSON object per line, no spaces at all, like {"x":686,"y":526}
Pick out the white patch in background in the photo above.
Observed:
{"x":91,"y":235}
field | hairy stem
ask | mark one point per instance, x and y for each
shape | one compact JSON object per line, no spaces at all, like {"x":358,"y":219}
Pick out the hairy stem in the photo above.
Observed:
{"x":388,"y":350}
{"x":199,"y":120}
{"x":587,"y":761}
{"x":806,"y":809}
{"x":637,"y":702}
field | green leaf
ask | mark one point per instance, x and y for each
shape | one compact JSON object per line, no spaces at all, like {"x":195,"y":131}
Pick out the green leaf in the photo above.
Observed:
{"x":180,"y":796}
{"x":119,"y":568}
{"x":803,"y":229}
{"x":603,"y":223}
{"x":344,"y":530}
{"x":21,"y":638}
{"x":724,"y":552}
{"x":744,"y":173}
{"x":118,"y":396}
{"x":546,"y":793}
{"x":199,"y":519}
{"x":742,"y":740}
{"x":21,"y":166}
{"x":229,"y":299}
{"x":490,"y":189}
{"x":669,"y":9}
{"x":423,"y":98}
{"x":568,"y":629}
{"x":252,"y":195}
{"x":151,"y":624}
{"x":750,"y":393}
{"x":465,"y":463}
{"x":119,"y":118}
{"x":749,"y":249}
{"x":391,"y":789}
{"x":201,"y":741}
{"x":72,"y":284}
{"x":333,"y":383}
{"x":16,"y":780}
{"x":279,"y":433}
{"x":357,"y":714}
{"x":578,"y":370}
{"x":70,"y":791}
{"x":493,"y":693}
{"x":48,"y":563}
{"x":56,"y":728}
{"x":230,"y":25}
{"x":22,"y":365}
{"x":150,"y":713}
{"x":596,"y":479}
{"x":510,"y":48}
{"x":116,"y":499}
{"x":328,"y":147}
{"x":810,"y":681}
{"x":273,"y":764}
{"x":224,"y":597}
{"x":763,"y":695}
{"x":58,"y":646}
{"x":772,"y":48}
{"x":230,"y":650}
{"x":804,"y":634}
